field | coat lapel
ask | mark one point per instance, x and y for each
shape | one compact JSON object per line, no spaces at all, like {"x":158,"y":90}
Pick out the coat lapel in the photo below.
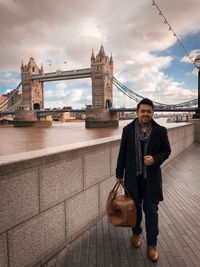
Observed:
{"x":154,"y":129}
{"x":132,"y":135}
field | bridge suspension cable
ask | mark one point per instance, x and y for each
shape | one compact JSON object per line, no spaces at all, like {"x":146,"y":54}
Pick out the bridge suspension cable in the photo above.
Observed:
{"x":137,"y":97}
{"x":124,"y":89}
{"x":6,"y":101}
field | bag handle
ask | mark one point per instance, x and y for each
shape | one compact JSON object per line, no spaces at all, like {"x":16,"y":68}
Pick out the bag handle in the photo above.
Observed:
{"x":117,"y":185}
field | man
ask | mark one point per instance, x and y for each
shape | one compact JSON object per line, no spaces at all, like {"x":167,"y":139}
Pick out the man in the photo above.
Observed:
{"x":144,"y":147}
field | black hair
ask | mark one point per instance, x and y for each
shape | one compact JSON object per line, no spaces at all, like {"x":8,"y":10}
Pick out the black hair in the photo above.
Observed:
{"x":145,"y":101}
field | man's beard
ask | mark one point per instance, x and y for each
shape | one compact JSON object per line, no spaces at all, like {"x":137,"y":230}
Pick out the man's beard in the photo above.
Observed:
{"x":148,"y":122}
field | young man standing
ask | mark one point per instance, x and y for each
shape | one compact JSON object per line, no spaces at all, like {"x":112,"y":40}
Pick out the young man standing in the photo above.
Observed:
{"x":144,"y":147}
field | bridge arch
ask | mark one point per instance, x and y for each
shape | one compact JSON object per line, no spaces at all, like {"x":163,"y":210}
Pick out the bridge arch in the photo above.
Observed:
{"x":108,"y":103}
{"x":36,"y":106}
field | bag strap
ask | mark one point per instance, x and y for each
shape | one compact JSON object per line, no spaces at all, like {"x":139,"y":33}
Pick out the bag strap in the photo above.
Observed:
{"x":117,"y":185}
{"x":125,"y":189}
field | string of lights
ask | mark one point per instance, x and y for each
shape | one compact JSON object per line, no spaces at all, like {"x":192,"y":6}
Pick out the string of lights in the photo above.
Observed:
{"x":174,"y":33}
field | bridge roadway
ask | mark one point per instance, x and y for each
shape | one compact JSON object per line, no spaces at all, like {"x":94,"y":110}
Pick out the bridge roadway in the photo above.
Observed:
{"x":179,"y":239}
{"x":62,"y":75}
{"x":43,"y":113}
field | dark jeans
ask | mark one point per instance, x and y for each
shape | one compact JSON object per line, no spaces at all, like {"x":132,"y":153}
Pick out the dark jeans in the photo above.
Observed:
{"x":151,"y":214}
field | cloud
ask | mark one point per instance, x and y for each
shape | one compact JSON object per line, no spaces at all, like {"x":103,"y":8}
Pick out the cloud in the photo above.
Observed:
{"x":61,"y":85}
{"x":193,"y":55}
{"x":146,"y":77}
{"x":10,"y":80}
{"x":69,"y":30}
{"x":69,"y":96}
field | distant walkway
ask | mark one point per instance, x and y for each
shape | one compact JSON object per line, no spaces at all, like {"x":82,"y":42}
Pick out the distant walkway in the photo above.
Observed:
{"x":179,"y":238}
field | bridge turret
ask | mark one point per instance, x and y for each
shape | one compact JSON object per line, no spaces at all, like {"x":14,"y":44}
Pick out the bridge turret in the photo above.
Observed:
{"x":32,"y":91}
{"x":111,"y":61}
{"x":102,"y":52}
{"x":22,"y":65}
{"x":41,"y":69}
{"x":102,"y":95}
{"x":32,"y":66}
{"x":92,"y":57}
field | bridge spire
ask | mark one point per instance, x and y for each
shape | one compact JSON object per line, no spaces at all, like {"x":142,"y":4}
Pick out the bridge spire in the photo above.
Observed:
{"x":102,"y":51}
{"x":92,"y":57}
{"x":111,"y":60}
{"x":41,"y":69}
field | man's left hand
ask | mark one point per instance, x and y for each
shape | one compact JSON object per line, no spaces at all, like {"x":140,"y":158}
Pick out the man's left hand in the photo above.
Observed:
{"x":148,"y":160}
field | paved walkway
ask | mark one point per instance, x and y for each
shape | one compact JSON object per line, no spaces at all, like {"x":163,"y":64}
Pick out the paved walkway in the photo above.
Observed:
{"x":179,"y":238}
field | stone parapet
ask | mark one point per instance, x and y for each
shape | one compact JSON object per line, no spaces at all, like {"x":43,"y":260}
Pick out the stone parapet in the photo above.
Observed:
{"x":3,"y":250}
{"x":197,"y":129}
{"x":49,"y":196}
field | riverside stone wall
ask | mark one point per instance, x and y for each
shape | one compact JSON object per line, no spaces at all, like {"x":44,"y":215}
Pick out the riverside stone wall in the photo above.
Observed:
{"x":48,"y":197}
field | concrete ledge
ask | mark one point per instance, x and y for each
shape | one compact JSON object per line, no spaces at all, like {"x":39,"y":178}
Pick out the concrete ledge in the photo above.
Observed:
{"x":104,"y":188}
{"x":197,"y":129}
{"x":180,"y":138}
{"x":19,"y":198}
{"x":60,"y":180}
{"x":82,"y":209}
{"x":93,"y":162}
{"x":37,"y":157}
{"x":114,"y":154}
{"x":3,"y":251}
{"x":32,"y":240}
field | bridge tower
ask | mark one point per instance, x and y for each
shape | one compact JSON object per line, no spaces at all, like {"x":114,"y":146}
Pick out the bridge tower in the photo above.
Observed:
{"x":32,"y":97}
{"x":102,"y":88}
{"x":99,"y":115}
{"x":32,"y":91}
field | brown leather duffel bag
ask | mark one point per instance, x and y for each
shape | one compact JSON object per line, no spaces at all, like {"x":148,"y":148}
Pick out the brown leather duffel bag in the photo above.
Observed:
{"x":121,"y":209}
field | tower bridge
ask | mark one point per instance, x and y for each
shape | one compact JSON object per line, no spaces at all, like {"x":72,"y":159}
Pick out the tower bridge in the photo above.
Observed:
{"x":29,"y":105}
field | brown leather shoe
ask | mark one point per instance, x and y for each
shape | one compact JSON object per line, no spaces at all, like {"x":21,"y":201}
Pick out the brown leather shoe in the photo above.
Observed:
{"x":136,"y":240}
{"x":152,"y":253}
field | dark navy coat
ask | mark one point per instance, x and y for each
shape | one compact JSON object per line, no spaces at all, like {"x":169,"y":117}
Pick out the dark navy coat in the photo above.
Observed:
{"x":158,"y":147}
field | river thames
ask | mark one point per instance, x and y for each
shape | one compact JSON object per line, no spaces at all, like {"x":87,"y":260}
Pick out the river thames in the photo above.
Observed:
{"x":17,"y":140}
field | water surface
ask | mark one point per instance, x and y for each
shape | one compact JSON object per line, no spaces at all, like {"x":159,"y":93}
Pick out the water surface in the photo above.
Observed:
{"x":22,"y":139}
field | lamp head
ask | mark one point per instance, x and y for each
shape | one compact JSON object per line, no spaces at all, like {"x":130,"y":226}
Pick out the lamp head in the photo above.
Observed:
{"x":197,"y":61}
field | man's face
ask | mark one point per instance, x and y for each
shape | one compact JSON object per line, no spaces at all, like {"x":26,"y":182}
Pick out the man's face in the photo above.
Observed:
{"x":145,"y":114}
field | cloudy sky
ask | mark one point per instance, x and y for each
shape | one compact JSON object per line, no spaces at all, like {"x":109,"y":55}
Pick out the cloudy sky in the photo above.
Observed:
{"x":147,"y":57}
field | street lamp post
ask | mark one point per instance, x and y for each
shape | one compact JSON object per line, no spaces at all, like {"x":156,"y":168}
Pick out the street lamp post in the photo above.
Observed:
{"x":197,"y":112}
